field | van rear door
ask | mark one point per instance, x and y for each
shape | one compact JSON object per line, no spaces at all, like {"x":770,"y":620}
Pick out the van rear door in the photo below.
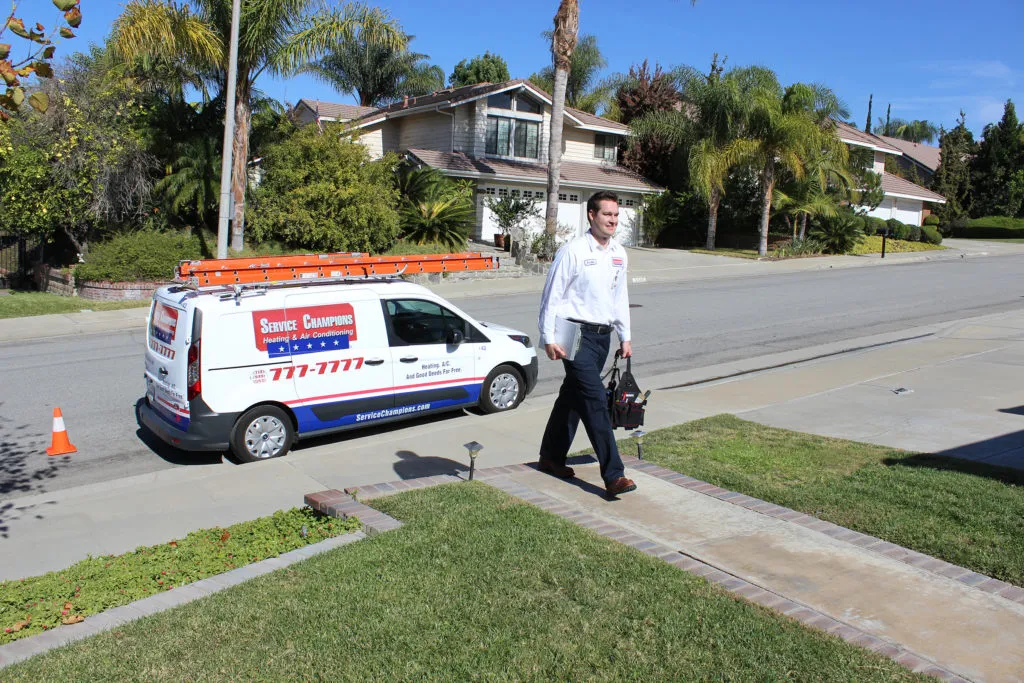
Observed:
{"x":168,"y":341}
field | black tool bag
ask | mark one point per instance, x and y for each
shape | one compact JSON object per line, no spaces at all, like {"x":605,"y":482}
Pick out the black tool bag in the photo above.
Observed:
{"x":626,"y":403}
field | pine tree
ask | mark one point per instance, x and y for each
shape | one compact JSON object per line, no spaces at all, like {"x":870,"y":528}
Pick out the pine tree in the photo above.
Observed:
{"x":867,"y":124}
{"x":995,"y":167}
{"x":953,"y":178}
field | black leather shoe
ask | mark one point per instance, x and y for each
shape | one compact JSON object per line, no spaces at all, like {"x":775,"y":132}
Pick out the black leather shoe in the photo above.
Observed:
{"x":553,"y":468}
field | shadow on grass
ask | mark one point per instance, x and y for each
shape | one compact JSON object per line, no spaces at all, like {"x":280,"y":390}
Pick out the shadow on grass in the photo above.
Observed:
{"x":24,"y":470}
{"x":1006,"y":475}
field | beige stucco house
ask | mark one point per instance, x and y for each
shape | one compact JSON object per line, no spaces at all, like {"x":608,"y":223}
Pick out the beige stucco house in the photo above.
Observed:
{"x":496,"y":134}
{"x":905,"y":201}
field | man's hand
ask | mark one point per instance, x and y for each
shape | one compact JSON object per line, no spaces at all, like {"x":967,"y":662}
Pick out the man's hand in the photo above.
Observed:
{"x":625,"y":349}
{"x":554,"y":351}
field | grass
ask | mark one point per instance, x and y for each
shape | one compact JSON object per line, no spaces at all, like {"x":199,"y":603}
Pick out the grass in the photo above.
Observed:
{"x":475,"y":586}
{"x":997,"y":222}
{"x":32,"y":605}
{"x":19,"y":304}
{"x":965,"y":513}
{"x":872,"y":244}
{"x":724,"y":251}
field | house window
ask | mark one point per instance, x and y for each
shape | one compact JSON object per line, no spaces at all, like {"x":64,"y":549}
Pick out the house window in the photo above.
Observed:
{"x":489,"y":190}
{"x":502,"y":100}
{"x":538,"y":195}
{"x":574,"y":198}
{"x":527,"y":194}
{"x":629,"y":202}
{"x":515,"y":193}
{"x":605,"y":147}
{"x":527,"y":104}
{"x":502,"y":191}
{"x":511,"y":137}
{"x":562,"y":197}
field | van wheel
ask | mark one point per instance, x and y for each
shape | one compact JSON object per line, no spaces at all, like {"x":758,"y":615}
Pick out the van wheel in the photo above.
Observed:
{"x":502,"y":390}
{"x":262,"y":433}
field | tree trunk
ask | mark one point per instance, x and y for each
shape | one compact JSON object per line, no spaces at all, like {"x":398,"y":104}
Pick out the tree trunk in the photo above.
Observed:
{"x":767,"y":184}
{"x":555,"y":152}
{"x":713,"y":202}
{"x":240,"y":169}
{"x":803,"y":226}
{"x":790,"y":224}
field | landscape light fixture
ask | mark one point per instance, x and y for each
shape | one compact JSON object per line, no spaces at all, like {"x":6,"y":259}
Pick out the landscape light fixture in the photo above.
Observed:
{"x":474,"y":449}
{"x":638,"y":435}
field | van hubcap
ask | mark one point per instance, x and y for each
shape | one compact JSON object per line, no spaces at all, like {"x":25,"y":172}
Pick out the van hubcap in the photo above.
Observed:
{"x":504,"y":391}
{"x":265,"y":437}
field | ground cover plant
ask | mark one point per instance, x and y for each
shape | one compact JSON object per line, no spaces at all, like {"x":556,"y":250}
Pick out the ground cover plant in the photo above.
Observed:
{"x":965,"y":513}
{"x":32,"y":605}
{"x":18,"y":304}
{"x":873,"y":245}
{"x":475,"y":586}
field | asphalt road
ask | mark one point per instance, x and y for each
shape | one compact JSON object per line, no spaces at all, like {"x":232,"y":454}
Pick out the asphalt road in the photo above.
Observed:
{"x":97,"y":379}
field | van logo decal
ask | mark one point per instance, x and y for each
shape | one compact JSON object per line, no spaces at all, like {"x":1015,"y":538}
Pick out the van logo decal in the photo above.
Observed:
{"x":165,"y":323}
{"x":161,"y":349}
{"x":307,"y":329}
{"x":259,"y":376}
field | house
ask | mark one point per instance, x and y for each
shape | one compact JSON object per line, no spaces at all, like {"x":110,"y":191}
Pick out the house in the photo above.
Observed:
{"x":905,"y":201}
{"x":918,"y":159}
{"x":496,"y":134}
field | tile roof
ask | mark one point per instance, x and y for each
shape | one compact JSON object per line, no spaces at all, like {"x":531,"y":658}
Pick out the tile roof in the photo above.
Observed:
{"x":340,"y":112}
{"x":572,"y":172}
{"x":852,"y":136}
{"x":455,"y":96}
{"x":893,"y":184}
{"x":926,"y":155}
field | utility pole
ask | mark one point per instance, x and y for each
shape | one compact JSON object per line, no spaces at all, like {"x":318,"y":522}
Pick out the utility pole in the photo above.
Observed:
{"x":224,"y":218}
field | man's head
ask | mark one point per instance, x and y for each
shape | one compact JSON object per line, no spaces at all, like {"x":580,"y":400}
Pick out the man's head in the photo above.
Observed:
{"x":603,"y":214}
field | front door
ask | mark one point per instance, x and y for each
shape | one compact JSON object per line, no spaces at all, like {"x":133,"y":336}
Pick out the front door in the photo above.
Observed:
{"x":341,"y":360}
{"x":430,"y":371}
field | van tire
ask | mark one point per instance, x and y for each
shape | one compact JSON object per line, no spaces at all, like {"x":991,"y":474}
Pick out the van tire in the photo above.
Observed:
{"x":504,"y":389}
{"x":262,"y":433}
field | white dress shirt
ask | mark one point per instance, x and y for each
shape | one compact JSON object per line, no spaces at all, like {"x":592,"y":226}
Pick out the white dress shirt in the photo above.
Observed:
{"x":586,"y":282}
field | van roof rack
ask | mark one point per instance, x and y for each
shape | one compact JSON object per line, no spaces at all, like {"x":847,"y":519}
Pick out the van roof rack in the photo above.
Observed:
{"x":340,"y":266}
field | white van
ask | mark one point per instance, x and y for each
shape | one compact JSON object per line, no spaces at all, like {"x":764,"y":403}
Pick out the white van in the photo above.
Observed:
{"x":254,"y":369}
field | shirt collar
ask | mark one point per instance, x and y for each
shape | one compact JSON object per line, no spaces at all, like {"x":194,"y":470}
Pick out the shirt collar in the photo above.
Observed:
{"x":596,"y":246}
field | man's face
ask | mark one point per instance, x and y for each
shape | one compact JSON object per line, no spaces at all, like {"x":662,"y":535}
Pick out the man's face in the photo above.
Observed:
{"x":605,"y":219}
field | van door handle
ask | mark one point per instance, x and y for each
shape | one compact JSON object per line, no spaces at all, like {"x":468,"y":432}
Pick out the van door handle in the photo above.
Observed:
{"x":409,"y":359}
{"x":375,"y":361}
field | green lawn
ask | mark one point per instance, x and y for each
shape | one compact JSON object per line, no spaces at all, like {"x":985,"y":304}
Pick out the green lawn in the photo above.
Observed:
{"x":722,"y":251}
{"x":873,"y":245}
{"x":476,"y":586}
{"x":20,"y":304}
{"x":965,"y":513}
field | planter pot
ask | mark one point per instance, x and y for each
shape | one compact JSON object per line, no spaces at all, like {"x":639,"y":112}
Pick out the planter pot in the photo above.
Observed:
{"x":499,"y":240}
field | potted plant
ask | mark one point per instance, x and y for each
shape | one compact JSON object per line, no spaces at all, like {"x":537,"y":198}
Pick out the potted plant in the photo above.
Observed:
{"x":510,"y":213}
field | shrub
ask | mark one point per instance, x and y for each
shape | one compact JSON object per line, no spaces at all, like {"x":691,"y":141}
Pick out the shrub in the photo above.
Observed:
{"x":321,"y":192}
{"x":445,"y":220}
{"x":914,"y":233}
{"x":142,"y":255}
{"x":798,"y":247}
{"x":931,"y":219}
{"x":838,"y":235}
{"x":930,"y":234}
{"x":988,"y":227}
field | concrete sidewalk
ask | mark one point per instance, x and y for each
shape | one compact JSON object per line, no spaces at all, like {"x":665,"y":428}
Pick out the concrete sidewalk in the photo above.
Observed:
{"x":647,"y":265}
{"x":843,"y":389}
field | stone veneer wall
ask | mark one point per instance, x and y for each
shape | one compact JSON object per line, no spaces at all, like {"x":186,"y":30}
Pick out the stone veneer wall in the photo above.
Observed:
{"x":57,"y":281}
{"x":54,"y":280}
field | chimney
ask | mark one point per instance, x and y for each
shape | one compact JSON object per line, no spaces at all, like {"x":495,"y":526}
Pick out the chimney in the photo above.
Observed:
{"x":405,"y":101}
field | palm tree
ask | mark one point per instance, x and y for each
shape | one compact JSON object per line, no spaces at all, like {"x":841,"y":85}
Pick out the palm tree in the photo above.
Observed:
{"x":781,"y":128}
{"x":563,"y":42}
{"x":377,"y":72}
{"x":918,"y":130}
{"x":274,"y":36}
{"x":583,"y":90}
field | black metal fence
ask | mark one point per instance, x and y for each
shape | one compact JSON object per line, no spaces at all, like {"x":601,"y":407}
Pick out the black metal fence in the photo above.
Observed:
{"x":18,"y":255}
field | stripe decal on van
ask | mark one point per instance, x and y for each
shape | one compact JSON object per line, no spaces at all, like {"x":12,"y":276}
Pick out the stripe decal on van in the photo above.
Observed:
{"x":365,"y":392}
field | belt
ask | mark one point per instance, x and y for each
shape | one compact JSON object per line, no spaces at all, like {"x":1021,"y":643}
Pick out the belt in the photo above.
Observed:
{"x":593,"y":327}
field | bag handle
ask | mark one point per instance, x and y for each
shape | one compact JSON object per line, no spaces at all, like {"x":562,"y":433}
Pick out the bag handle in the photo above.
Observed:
{"x":629,"y":361}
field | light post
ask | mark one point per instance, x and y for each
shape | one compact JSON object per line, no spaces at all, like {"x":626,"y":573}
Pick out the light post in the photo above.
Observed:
{"x":224,"y":217}
{"x":638,"y":435}
{"x":474,"y":449}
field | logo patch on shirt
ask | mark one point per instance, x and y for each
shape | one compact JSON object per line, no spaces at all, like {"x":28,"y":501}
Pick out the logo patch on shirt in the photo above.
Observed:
{"x":617,"y":262}
{"x":591,"y":262}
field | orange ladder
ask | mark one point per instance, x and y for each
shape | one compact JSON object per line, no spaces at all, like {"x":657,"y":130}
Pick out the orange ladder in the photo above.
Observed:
{"x":268,"y":269}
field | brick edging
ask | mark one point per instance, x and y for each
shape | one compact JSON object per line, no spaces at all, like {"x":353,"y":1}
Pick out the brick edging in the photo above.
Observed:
{"x":22,"y":649}
{"x":731,"y":583}
{"x":933,"y":565}
{"x":334,"y":503}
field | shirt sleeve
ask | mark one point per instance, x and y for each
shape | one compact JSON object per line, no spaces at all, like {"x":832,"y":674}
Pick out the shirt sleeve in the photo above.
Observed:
{"x":559,"y":279}
{"x":622,"y":306}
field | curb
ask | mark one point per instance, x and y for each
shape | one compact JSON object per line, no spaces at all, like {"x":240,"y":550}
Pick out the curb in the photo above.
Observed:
{"x":20,"y":650}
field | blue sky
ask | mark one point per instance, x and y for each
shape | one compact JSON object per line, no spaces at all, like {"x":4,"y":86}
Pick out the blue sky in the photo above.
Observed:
{"x":928,"y":59}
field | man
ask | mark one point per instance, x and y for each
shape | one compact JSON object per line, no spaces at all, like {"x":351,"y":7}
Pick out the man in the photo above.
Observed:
{"x":587,"y":284}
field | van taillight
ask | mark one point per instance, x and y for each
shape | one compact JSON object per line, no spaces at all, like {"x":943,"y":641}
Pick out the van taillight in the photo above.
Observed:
{"x":195,"y":386}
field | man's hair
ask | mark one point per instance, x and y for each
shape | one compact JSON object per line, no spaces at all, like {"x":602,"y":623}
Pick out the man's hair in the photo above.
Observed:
{"x":594,"y":203}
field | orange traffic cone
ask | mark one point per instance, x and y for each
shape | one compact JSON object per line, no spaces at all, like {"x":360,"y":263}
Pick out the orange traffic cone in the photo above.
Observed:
{"x":61,"y":444}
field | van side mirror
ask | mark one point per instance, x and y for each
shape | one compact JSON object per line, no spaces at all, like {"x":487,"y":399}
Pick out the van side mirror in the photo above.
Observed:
{"x":455,"y":337}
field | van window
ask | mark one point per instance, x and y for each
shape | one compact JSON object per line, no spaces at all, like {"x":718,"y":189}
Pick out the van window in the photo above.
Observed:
{"x":414,"y":322}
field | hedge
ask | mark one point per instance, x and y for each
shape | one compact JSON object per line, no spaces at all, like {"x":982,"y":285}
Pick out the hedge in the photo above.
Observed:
{"x":991,"y":227}
{"x":134,"y":256}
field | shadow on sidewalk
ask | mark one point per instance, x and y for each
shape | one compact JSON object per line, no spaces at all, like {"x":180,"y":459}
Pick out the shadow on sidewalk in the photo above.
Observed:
{"x":412,"y":465}
{"x":24,"y":470}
